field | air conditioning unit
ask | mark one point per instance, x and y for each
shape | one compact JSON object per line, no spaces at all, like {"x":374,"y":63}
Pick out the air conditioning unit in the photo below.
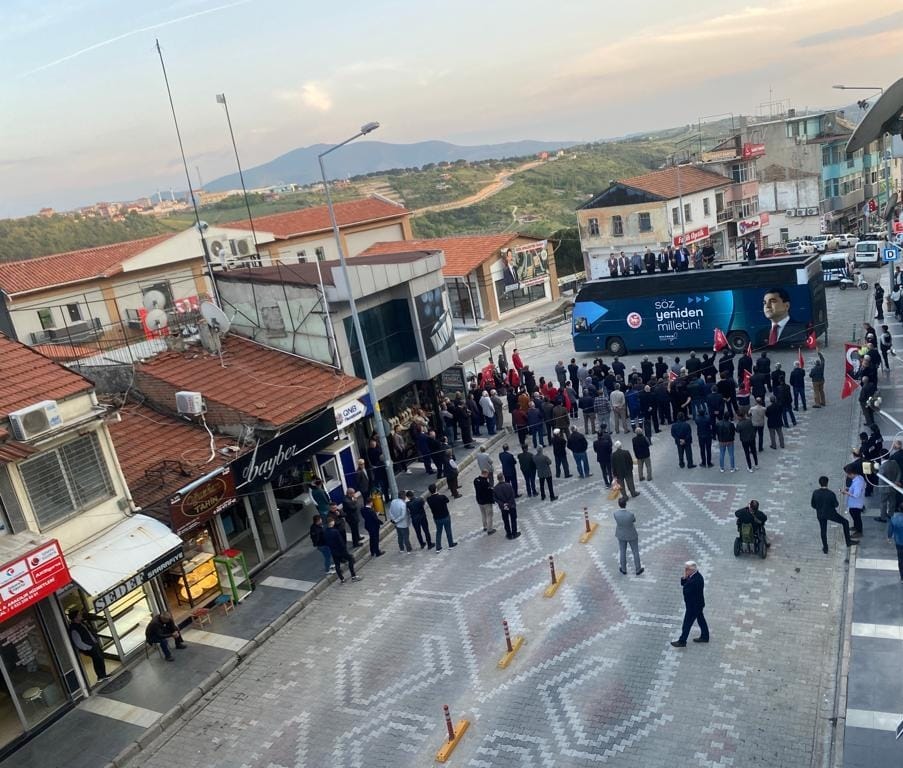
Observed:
{"x":241,"y":246}
{"x":36,"y":420}
{"x":189,"y":403}
{"x":790,"y":212}
{"x":812,"y":211}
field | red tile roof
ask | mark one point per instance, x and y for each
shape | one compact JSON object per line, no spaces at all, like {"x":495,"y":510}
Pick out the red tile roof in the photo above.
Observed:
{"x":676,"y":180}
{"x":262,"y":383}
{"x":71,"y":267}
{"x":462,"y":254}
{"x":65,"y":352}
{"x":309,"y":220}
{"x":145,"y":439}
{"x":27,"y":377}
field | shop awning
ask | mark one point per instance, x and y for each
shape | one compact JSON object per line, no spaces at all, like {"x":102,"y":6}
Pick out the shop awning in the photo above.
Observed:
{"x":122,"y":553}
{"x":484,"y":344}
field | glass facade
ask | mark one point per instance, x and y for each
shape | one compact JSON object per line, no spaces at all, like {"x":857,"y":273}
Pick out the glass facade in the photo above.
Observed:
{"x":512,"y":299}
{"x":389,"y":333}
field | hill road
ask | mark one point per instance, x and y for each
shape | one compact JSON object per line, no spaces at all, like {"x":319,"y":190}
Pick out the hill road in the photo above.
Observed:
{"x":500,"y":182}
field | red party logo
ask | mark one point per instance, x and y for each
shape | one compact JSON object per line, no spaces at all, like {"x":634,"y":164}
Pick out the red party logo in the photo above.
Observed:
{"x":634,"y":320}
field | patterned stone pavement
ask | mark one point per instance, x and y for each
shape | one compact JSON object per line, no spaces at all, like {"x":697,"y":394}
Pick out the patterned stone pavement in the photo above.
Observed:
{"x":360,"y":678}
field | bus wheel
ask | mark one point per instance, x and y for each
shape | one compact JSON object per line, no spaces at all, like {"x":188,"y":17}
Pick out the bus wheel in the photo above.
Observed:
{"x":616,"y":346}
{"x":738,"y":341}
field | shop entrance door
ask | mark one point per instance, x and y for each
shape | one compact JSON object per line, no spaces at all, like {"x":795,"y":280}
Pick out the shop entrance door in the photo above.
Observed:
{"x":31,"y":688}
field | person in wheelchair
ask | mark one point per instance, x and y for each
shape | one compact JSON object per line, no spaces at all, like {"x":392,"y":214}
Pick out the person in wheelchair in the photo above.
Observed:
{"x":752,"y":515}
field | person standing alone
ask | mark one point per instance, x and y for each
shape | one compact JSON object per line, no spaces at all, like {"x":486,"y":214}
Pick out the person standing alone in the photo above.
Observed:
{"x":482,"y":486}
{"x":694,"y":601}
{"x":625,"y":533}
{"x":855,"y":494}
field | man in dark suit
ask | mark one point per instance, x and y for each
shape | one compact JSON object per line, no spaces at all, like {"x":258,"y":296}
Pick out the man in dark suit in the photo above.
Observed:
{"x":824,"y":502}
{"x":509,"y":468}
{"x":509,"y":271}
{"x":694,"y":599}
{"x":782,"y":329}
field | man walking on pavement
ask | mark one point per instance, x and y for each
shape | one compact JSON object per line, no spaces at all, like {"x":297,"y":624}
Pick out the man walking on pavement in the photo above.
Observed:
{"x":544,"y":472}
{"x":578,"y":447}
{"x":622,"y":468}
{"x":482,"y":485}
{"x":694,"y":600}
{"x":509,"y":467}
{"x":336,"y":543}
{"x":438,"y":504}
{"x":417,"y":511}
{"x":824,"y":502}
{"x":504,"y":497}
{"x":625,"y":533}
{"x":895,"y":534}
{"x":817,"y":377}
{"x":855,"y":494}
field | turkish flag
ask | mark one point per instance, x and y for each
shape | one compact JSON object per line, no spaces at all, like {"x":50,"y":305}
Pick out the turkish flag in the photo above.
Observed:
{"x":811,"y":340}
{"x":745,"y":378}
{"x":799,"y":352}
{"x":850,"y":385}
{"x":720,"y":340}
{"x":672,"y":376}
{"x":749,"y":349}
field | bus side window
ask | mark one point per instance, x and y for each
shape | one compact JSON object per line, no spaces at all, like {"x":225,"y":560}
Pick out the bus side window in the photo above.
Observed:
{"x":580,"y":324}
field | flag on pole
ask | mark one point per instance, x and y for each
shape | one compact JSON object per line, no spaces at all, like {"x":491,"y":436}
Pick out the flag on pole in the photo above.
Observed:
{"x":720,"y":340}
{"x":799,"y":352}
{"x":745,"y":379}
{"x":672,"y":376}
{"x":811,"y":340}
{"x":749,"y":349}
{"x":850,"y":385}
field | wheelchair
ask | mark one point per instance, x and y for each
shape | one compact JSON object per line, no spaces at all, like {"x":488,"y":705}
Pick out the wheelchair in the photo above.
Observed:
{"x":751,"y":541}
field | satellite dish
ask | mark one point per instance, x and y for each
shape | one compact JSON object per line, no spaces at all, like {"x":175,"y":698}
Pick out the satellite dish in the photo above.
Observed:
{"x":883,"y":117}
{"x":215,"y":317}
{"x":154,"y":299}
{"x":156,"y":319}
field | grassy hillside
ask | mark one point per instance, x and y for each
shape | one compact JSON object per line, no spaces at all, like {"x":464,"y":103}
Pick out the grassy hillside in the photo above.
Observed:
{"x":548,"y":195}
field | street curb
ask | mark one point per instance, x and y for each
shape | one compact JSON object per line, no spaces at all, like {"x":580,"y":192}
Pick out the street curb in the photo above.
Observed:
{"x":193,"y":699}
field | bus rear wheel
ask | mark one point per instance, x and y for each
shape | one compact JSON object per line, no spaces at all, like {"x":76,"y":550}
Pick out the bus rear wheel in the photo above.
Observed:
{"x":616,"y":346}
{"x":738,"y":341}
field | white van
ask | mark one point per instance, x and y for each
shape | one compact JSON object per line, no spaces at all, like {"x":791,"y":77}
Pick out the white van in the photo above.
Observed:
{"x":868,"y":253}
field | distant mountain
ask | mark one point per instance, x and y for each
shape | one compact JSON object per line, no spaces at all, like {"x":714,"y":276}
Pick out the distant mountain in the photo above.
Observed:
{"x":300,"y":165}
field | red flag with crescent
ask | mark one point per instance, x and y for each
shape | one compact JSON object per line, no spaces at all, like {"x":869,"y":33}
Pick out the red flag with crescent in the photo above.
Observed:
{"x":850,"y":385}
{"x":720,"y":340}
{"x":672,"y":376}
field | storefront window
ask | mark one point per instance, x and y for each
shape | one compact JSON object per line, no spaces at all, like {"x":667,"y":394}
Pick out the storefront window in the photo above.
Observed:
{"x":459,"y":301}
{"x":31,"y":687}
{"x":263,"y":521}
{"x":522,"y":296}
{"x":293,"y":501}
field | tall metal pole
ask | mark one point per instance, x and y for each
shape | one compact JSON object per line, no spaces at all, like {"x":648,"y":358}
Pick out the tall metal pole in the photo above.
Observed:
{"x":355,"y":318}
{"x":221,"y":98}
{"x":194,"y":202}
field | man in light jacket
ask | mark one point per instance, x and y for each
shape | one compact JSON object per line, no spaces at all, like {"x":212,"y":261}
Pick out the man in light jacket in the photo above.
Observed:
{"x":625,"y":533}
{"x":398,"y":514}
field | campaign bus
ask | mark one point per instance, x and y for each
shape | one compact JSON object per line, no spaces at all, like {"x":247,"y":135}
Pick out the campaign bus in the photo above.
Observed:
{"x":777,"y":303}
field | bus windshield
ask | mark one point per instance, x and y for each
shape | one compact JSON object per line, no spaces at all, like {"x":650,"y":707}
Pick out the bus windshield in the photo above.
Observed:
{"x":777,"y":303}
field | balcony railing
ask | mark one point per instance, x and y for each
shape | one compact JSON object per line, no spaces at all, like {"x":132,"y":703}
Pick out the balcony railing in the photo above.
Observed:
{"x":726,"y":215}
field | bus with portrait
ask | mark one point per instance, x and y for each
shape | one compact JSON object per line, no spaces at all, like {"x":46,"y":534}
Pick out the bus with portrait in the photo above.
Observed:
{"x":778,"y":303}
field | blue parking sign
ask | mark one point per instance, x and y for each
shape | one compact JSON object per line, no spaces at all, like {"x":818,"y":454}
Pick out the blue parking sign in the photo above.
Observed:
{"x":891,"y":253}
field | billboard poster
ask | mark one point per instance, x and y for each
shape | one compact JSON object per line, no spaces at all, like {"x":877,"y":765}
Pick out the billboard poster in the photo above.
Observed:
{"x":771,"y":317}
{"x":434,"y":321}
{"x":33,"y":577}
{"x":525,"y":265}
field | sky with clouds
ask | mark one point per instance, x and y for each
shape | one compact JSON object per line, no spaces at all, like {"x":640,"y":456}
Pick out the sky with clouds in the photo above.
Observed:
{"x":85,"y":115}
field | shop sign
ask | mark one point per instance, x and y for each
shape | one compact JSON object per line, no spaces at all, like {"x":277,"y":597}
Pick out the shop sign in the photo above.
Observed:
{"x":745,"y":226}
{"x":898,"y":227}
{"x":196,"y":506}
{"x":693,"y":236}
{"x":753,"y":150}
{"x":718,"y":155}
{"x":354,"y":410}
{"x":262,"y":464}
{"x":452,"y":379}
{"x":150,"y":571}
{"x":31,"y":578}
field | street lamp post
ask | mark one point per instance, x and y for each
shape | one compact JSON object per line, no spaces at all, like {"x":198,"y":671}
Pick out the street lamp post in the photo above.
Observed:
{"x":355,"y":318}
{"x":885,"y":169}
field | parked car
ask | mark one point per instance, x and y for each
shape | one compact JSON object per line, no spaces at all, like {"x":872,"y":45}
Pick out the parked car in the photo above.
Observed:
{"x":824,"y":243}
{"x":868,"y":253}
{"x":800,"y":247}
{"x":774,"y":252}
{"x":846,"y":240}
{"x":875,"y":236}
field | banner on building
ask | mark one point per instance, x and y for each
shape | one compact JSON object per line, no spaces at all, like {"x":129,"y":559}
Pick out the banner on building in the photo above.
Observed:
{"x":525,"y":265}
{"x":693,"y":236}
